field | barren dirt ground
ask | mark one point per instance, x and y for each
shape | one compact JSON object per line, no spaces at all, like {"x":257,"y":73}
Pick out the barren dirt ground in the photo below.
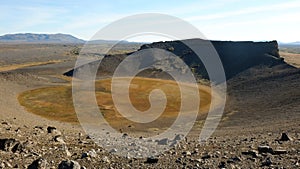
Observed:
{"x":291,"y":58}
{"x":262,"y":104}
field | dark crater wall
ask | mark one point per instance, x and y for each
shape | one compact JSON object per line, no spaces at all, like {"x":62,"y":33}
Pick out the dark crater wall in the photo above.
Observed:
{"x":235,"y":57}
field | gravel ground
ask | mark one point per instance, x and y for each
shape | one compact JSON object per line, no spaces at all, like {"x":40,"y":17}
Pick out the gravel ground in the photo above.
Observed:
{"x":260,"y":128}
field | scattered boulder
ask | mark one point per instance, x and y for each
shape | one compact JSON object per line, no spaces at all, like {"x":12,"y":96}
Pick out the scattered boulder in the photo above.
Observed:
{"x":69,"y":164}
{"x":65,"y":148}
{"x":53,"y":130}
{"x":6,"y":164}
{"x":59,"y":139}
{"x":222,"y":164}
{"x":84,"y":155}
{"x":91,"y":154}
{"x":50,"y":129}
{"x":279,"y":151}
{"x":164,"y":141}
{"x":178,"y":137}
{"x":39,"y":164}
{"x":105,"y":159}
{"x":253,"y":153}
{"x":285,"y":137}
{"x":267,"y":162}
{"x":114,"y":150}
{"x":187,"y":153}
{"x":151,"y":160}
{"x":11,"y":145}
{"x":234,"y":159}
{"x":265,"y":149}
{"x":206,"y":156}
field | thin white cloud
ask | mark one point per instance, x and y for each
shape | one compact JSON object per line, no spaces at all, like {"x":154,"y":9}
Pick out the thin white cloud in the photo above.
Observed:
{"x":283,"y":27}
{"x":197,"y":7}
{"x":25,"y":17}
{"x":274,"y":7}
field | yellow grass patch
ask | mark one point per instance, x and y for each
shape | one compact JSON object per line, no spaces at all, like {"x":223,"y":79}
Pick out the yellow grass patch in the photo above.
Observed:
{"x":291,"y":58}
{"x":55,"y":103}
{"x":18,"y":66}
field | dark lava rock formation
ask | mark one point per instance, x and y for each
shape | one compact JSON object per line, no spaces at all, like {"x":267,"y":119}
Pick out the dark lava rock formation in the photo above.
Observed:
{"x":235,"y":57}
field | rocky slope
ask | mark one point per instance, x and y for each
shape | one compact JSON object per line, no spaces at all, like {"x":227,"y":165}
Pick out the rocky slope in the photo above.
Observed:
{"x":235,"y":57}
{"x":259,"y":129}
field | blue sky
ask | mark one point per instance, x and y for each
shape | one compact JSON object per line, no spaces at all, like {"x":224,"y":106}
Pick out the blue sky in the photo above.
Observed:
{"x":256,"y":20}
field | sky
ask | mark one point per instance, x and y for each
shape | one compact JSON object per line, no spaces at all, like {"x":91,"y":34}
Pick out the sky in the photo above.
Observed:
{"x":238,"y":20}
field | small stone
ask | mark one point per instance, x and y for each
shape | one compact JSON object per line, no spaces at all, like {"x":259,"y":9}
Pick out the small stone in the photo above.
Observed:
{"x":65,"y":148}
{"x":59,"y":139}
{"x":53,"y":130}
{"x":222,"y":164}
{"x":265,"y":149}
{"x":5,"y":123}
{"x":69,"y":164}
{"x":187,"y":153}
{"x":206,"y":156}
{"x":92,"y":153}
{"x":105,"y":159}
{"x":267,"y":162}
{"x":164,"y":141}
{"x":230,"y":161}
{"x":7,"y":164}
{"x":178,"y":137}
{"x":68,"y":153}
{"x":279,"y":151}
{"x":84,"y":155}
{"x":2,"y":165}
{"x":234,"y":159}
{"x":151,"y":160}
{"x":237,"y":158}
{"x":199,"y":160}
{"x":114,"y":150}
{"x":253,"y":153}
{"x":285,"y":137}
{"x":11,"y":145}
{"x":50,"y":129}
{"x":39,"y":164}
{"x":178,"y":160}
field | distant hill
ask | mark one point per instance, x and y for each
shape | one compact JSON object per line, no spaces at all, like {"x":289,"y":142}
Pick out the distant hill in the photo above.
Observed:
{"x":297,"y":43}
{"x":113,"y":42}
{"x":40,"y":38}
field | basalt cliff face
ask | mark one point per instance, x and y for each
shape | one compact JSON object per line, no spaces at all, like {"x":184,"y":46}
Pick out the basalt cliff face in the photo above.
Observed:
{"x":235,"y":57}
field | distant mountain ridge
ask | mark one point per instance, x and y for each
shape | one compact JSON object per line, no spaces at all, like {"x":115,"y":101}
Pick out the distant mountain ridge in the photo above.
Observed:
{"x":297,"y":43}
{"x":40,"y":38}
{"x":54,"y":38}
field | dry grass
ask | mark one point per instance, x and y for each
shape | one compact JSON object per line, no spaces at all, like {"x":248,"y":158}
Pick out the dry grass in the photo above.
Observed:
{"x":18,"y":66}
{"x":55,"y":103}
{"x":291,"y":58}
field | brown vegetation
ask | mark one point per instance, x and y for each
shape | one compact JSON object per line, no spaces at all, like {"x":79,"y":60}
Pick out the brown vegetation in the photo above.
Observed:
{"x":55,"y":103}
